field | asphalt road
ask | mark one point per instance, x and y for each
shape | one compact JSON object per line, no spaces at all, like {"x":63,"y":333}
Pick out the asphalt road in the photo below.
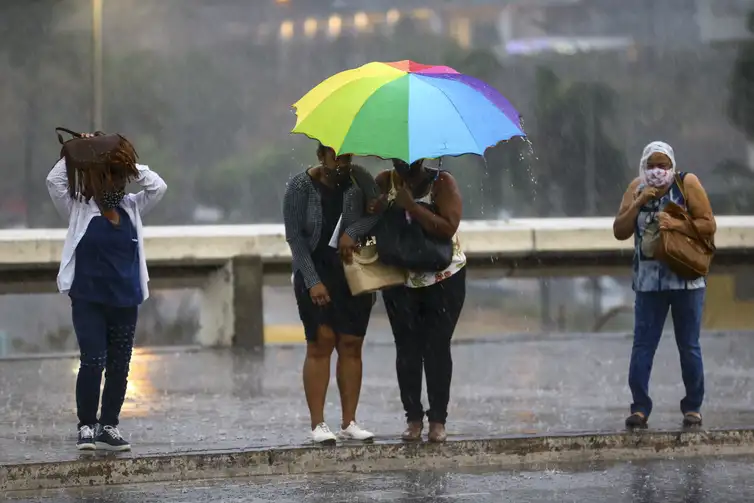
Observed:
{"x":194,"y":401}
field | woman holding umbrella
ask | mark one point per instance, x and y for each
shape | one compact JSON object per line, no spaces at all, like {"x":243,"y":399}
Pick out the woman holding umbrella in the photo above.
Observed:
{"x":424,"y":312}
{"x":333,"y":319}
{"x":408,"y":111}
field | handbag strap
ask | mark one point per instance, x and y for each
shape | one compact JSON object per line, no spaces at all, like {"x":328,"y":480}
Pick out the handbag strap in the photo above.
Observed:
{"x":681,"y":187}
{"x":74,"y":134}
{"x":687,"y":216}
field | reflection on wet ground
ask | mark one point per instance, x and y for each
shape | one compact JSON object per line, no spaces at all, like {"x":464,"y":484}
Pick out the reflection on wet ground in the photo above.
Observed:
{"x":724,"y":480}
{"x":209,"y":400}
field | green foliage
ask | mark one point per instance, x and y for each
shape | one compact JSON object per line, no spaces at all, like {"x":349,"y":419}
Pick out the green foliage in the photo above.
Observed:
{"x":738,"y":183}
{"x":177,"y":205}
{"x":247,"y":186}
{"x":737,"y":176}
{"x":563,"y":112}
{"x":741,"y":97}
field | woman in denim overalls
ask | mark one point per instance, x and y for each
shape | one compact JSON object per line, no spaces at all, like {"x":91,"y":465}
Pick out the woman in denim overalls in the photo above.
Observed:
{"x":658,"y":289}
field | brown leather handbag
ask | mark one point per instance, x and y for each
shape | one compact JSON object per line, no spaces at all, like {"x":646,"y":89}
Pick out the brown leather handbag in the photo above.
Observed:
{"x":91,"y":161}
{"x":688,"y":254}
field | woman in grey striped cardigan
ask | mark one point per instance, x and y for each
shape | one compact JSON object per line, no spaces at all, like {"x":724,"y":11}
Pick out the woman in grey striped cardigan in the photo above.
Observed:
{"x":333,"y":319}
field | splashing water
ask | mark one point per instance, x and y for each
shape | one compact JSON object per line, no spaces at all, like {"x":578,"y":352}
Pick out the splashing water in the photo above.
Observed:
{"x":529,"y":155}
{"x":481,"y":188}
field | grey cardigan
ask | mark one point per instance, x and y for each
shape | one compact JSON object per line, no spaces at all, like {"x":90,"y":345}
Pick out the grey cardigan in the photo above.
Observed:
{"x":302,"y":215}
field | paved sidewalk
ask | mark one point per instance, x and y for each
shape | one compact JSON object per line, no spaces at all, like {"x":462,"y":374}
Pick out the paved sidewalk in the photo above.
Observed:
{"x":214,"y":400}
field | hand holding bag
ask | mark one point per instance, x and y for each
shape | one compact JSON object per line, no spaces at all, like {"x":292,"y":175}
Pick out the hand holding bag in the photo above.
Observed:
{"x":96,"y":160}
{"x":404,"y":243}
{"x":689,"y":255}
{"x":366,"y":274}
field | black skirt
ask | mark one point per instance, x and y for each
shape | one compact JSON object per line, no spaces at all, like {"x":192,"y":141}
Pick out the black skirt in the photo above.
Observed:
{"x":345,"y":314}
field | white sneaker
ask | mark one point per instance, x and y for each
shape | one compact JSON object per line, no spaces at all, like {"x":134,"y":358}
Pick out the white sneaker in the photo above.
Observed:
{"x":322,"y":435}
{"x":356,"y":432}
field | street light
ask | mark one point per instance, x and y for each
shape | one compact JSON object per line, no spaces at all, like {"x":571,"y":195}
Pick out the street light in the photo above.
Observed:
{"x":334,"y":25}
{"x":310,"y":27}
{"x":97,"y":7}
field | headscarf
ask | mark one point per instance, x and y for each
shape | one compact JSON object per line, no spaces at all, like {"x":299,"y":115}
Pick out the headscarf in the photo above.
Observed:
{"x":654,"y":148}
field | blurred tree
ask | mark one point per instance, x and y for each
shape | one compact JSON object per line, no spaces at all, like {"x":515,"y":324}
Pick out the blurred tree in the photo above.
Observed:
{"x":741,"y":97}
{"x":175,"y":208}
{"x":26,"y":39}
{"x":738,"y":177}
{"x":247,"y":186}
{"x":565,"y":138}
{"x":738,"y":183}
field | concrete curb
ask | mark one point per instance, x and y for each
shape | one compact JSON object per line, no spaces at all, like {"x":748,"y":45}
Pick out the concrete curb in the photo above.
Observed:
{"x":506,"y":451}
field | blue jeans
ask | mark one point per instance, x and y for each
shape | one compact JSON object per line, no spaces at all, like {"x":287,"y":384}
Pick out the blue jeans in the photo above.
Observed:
{"x":106,"y":339}
{"x":650,"y":312}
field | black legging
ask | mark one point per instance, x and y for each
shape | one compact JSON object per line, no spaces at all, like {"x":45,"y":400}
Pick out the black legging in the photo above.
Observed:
{"x":423,"y":321}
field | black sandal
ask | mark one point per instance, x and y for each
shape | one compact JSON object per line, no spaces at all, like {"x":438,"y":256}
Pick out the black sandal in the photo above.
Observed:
{"x":692,"y":419}
{"x":636,"y":420}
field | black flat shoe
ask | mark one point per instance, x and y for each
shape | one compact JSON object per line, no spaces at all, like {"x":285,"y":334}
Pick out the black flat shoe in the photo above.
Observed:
{"x":636,"y":420}
{"x":692,"y":419}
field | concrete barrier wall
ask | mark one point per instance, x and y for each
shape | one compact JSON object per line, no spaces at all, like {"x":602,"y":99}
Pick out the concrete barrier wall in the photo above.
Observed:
{"x":36,"y":247}
{"x":220,"y":261}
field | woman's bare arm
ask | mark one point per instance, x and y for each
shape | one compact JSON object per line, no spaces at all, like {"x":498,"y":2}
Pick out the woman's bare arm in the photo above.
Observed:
{"x":625,"y":220}
{"x":447,"y":198}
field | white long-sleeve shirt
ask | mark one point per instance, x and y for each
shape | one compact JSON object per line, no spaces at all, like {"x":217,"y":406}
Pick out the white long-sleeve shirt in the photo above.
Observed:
{"x":80,"y":213}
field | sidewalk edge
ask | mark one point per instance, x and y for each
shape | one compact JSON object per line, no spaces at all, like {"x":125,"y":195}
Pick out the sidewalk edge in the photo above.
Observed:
{"x":505,"y":451}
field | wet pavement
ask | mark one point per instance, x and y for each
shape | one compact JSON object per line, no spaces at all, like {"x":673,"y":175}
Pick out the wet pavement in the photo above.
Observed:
{"x":710,"y":480}
{"x":190,"y":401}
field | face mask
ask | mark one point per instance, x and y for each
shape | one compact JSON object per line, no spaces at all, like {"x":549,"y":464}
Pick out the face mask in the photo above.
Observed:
{"x":657,"y":177}
{"x":336,"y":175}
{"x":112,"y":199}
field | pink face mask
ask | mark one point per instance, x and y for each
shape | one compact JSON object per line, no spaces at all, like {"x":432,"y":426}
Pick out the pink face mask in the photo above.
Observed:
{"x":657,"y":177}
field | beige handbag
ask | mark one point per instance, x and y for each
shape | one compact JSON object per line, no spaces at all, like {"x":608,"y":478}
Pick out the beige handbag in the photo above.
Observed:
{"x":366,"y":274}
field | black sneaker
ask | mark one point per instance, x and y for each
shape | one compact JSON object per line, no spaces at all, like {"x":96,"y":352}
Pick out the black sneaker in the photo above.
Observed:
{"x":86,"y":439}
{"x":110,"y":439}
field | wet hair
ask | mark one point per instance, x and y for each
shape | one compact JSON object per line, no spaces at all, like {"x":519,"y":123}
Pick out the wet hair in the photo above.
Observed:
{"x":322,"y":150}
{"x":401,"y":165}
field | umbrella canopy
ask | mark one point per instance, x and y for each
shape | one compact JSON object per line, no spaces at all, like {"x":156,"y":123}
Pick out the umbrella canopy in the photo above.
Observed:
{"x":406,"y":110}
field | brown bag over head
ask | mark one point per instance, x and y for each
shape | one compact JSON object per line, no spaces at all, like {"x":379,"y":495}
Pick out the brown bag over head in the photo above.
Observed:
{"x":687,"y":255}
{"x":97,"y":162}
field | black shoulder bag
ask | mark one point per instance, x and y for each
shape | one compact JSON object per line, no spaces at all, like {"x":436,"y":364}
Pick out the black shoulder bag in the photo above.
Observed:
{"x":403,"y":243}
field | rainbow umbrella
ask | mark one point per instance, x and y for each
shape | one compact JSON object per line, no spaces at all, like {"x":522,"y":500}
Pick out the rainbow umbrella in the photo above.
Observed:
{"x":406,"y":110}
